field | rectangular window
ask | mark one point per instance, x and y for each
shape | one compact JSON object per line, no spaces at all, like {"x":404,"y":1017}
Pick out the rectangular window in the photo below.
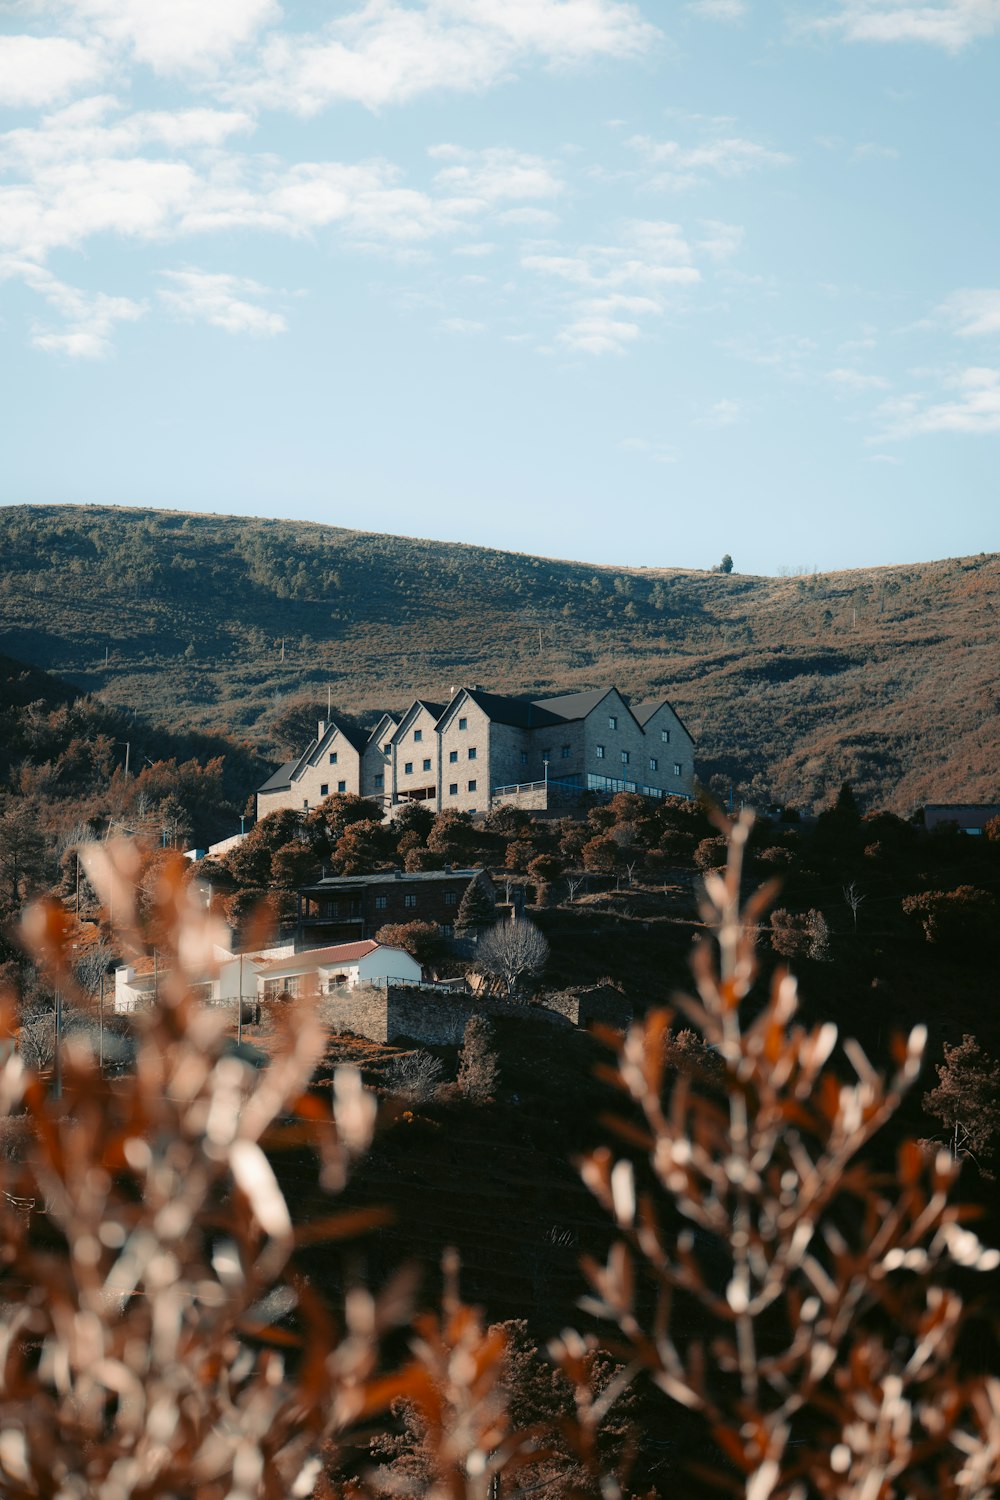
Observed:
{"x":564,"y":752}
{"x":408,"y":768}
{"x":418,"y":735}
{"x":387,"y":748}
{"x":677,"y":768}
{"x":463,"y":723}
{"x":624,"y":757}
{"x":612,"y":721}
{"x":381,"y":902}
{"x":472,"y":752}
{"x":600,"y":752}
{"x":447,"y":930}
{"x":453,"y":757}
{"x":654,"y":764}
{"x":665,"y":736}
{"x":409,"y":900}
{"x":547,"y":754}
{"x":450,"y":898}
{"x":524,"y":757}
{"x":333,"y":757}
{"x":324,"y":790}
{"x":453,"y":789}
{"x":426,"y":765}
{"x":341,"y":786}
{"x":380,"y":779}
{"x":472,"y":786}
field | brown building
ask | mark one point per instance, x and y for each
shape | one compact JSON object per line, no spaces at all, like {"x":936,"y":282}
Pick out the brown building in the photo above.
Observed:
{"x":344,"y":908}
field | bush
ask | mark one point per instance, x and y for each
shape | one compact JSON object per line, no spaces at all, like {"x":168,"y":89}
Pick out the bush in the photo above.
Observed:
{"x":800,"y":934}
{"x":479,"y":1065}
{"x":415,"y":1076}
{"x":421,"y":940}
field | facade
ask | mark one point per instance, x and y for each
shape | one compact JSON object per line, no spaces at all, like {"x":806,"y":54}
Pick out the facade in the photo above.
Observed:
{"x":343,"y":967}
{"x":346,"y":907}
{"x":970,"y":817}
{"x":484,"y":749}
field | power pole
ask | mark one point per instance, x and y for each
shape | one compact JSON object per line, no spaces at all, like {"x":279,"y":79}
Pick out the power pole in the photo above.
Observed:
{"x":57,"y":1090}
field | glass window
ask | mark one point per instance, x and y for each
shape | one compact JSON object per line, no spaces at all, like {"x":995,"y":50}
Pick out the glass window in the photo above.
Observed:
{"x":524,"y":757}
{"x":418,"y":735}
{"x":654,"y":764}
{"x":624,"y":757}
{"x":472,"y":786}
{"x":380,"y":779}
{"x":453,"y":757}
{"x":324,"y":790}
{"x":333,"y":757}
{"x":381,"y":902}
{"x":341,"y":786}
{"x":547,"y":754}
{"x":665,"y":736}
{"x":600,"y":752}
{"x":472,"y":752}
{"x":612,"y":721}
{"x":408,"y":768}
{"x":463,"y":723}
{"x":564,"y":752}
{"x":387,"y":748}
{"x":453,"y":789}
{"x":450,"y":898}
{"x":410,"y":900}
{"x":677,"y":768}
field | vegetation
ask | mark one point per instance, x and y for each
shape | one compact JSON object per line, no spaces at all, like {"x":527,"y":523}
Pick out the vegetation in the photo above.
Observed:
{"x":883,"y":677}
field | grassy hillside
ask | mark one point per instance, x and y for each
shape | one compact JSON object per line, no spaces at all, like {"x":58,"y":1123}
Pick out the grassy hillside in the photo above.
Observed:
{"x":888,"y":677}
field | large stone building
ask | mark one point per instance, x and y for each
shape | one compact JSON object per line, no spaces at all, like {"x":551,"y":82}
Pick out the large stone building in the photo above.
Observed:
{"x":481,"y":749}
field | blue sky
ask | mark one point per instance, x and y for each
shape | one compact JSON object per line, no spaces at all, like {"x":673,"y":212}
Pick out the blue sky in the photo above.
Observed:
{"x":636,"y":283}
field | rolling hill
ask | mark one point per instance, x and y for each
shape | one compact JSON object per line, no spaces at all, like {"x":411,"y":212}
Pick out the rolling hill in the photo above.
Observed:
{"x":887,"y":677}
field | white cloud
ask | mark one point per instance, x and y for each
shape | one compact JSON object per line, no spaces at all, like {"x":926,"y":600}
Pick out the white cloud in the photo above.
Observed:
{"x":89,"y":318}
{"x":385,"y":53}
{"x":721,"y":241}
{"x":724,"y":413}
{"x":680,"y":166}
{"x":39,"y":70}
{"x":176,"y":36}
{"x":974,"y":408}
{"x":973,"y":312}
{"x":660,"y":453}
{"x":846,"y":379}
{"x":719,"y":10}
{"x":478,"y":249}
{"x":494,"y":174}
{"x":463,"y":325}
{"x":220,"y":299}
{"x":950,"y":24}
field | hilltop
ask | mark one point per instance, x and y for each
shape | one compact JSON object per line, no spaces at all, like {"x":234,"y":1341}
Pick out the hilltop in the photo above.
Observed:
{"x":887,"y":677}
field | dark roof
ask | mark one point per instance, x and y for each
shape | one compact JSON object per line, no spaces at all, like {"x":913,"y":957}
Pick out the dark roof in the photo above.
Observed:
{"x":436,"y":709}
{"x":518,"y":712}
{"x":386,"y":877}
{"x":573,"y":705}
{"x":281,"y":779}
{"x":356,"y":737}
{"x":643,"y":712}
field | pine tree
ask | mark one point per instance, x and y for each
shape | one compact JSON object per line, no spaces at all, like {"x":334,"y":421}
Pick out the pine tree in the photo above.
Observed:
{"x":475,"y":909}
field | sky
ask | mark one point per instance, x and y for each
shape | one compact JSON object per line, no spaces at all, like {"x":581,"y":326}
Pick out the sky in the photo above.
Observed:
{"x":636,"y":283}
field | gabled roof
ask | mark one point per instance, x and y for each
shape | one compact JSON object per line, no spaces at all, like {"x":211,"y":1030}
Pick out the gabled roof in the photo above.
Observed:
{"x":379,"y":730}
{"x":320,"y":958}
{"x":281,"y":779}
{"x":356,"y":737}
{"x":434,"y":709}
{"x":518,"y":712}
{"x":574,"y":705}
{"x":643,"y":712}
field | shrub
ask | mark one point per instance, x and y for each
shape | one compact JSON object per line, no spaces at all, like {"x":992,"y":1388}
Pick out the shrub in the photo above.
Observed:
{"x":415,"y":1076}
{"x":800,"y":934}
{"x":421,"y":940}
{"x":479,"y":1065}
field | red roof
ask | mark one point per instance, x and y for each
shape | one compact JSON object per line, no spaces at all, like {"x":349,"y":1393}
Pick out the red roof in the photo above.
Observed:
{"x":323,"y":958}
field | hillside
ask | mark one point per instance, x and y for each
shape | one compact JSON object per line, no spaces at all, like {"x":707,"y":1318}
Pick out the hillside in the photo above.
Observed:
{"x":887,"y":677}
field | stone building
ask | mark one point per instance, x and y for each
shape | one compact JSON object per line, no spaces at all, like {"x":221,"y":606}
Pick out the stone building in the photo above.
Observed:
{"x":485,"y":749}
{"x":341,"y":907}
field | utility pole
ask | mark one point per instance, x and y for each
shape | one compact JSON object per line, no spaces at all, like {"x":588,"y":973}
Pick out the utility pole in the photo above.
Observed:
{"x":239,"y":1009}
{"x":57,"y":1090}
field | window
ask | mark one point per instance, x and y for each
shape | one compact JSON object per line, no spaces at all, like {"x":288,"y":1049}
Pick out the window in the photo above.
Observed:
{"x":453,"y":789}
{"x":654,"y":764}
{"x":426,"y":765}
{"x":447,"y":930}
{"x":600,"y":752}
{"x":678,"y":768}
{"x":472,"y":786}
{"x":453,"y":757}
{"x":408,"y":768}
{"x":524,"y":757}
{"x":463,"y":723}
{"x":665,"y":736}
{"x":333,"y":757}
{"x":624,"y":757}
{"x":547,"y":754}
{"x":612,"y":721}
{"x":381,"y":902}
{"x":564,"y":752}
{"x":341,"y":786}
{"x":324,"y":790}
{"x":379,"y":779}
{"x":409,"y":899}
{"x":418,"y":735}
{"x":472,"y":752}
{"x":450,"y":898}
{"x":387,"y":748}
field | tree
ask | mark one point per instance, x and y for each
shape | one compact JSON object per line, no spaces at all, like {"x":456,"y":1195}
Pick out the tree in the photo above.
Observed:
{"x":600,"y":855}
{"x":800,"y":934}
{"x":967,"y":1101}
{"x":415,"y":1076}
{"x":22,"y":851}
{"x":960,"y":920}
{"x":479,"y":1065}
{"x":726,"y":565}
{"x":421,"y":940}
{"x":453,"y":836}
{"x":510,"y":953}
{"x":476,"y":908}
{"x":853,"y":898}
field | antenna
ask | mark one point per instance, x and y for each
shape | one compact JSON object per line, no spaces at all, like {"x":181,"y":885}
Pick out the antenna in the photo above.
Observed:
{"x":328,"y":710}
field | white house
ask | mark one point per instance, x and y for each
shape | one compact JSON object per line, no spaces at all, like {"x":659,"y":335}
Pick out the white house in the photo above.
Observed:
{"x":343,"y":967}
{"x":232,"y":975}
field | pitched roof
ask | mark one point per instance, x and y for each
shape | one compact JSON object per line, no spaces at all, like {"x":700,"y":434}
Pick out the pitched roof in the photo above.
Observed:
{"x":321,"y":958}
{"x":332,"y":884}
{"x":356,"y":737}
{"x":573,"y":705}
{"x":518,"y":712}
{"x":643,"y":712}
{"x":281,"y":779}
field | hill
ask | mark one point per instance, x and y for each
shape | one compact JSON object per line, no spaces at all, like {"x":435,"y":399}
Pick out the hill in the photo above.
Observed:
{"x":887,"y":677}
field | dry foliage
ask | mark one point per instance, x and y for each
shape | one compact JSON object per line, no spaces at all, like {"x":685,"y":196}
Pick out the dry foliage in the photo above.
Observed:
{"x":825,"y":1357}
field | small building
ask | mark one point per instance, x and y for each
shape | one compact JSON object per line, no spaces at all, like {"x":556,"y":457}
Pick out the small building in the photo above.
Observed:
{"x":345,"y":907}
{"x":343,"y":967}
{"x":968,"y":817}
{"x":232,"y":975}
